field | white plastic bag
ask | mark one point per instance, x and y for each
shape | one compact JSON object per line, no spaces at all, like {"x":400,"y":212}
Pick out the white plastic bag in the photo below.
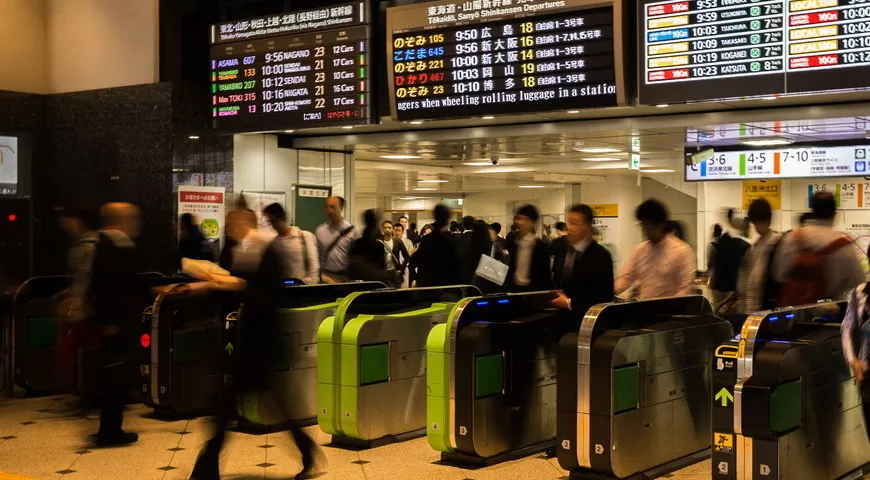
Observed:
{"x":492,"y":270}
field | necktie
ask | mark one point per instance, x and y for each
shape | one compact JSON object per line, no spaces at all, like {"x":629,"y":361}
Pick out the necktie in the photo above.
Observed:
{"x":570,"y":259}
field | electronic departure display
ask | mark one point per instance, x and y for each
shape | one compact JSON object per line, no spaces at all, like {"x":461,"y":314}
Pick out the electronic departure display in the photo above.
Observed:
{"x":464,"y":58}
{"x":295,"y":70}
{"x":692,"y":50}
{"x":781,"y":163}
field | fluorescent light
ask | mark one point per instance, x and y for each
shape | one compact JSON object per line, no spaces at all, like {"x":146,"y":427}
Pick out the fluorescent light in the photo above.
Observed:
{"x":407,"y":198}
{"x":347,"y":127}
{"x":532,"y":186}
{"x":416,"y":122}
{"x":656,"y":170}
{"x":289,"y":131}
{"x":487,"y":117}
{"x":460,"y":202}
{"x":399,"y":157}
{"x":573,"y":111}
{"x":662,"y":105}
{"x":477,"y":164}
{"x":598,"y":150}
{"x":432,"y":181}
{"x":767,"y":142}
{"x":421,"y":189}
{"x":194,"y":137}
{"x":601,"y":159}
{"x":769,"y":97}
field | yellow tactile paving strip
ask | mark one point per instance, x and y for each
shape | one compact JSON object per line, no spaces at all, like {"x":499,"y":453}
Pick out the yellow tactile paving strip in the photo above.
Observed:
{"x":9,"y":476}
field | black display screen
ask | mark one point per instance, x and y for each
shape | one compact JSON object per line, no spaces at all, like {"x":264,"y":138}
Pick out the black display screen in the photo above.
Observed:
{"x":295,"y":70}
{"x":694,"y":50}
{"x":469,"y":58}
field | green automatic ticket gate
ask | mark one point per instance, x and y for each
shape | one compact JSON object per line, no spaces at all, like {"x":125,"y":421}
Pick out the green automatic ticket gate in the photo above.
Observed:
{"x":492,"y":378}
{"x":786,"y":406}
{"x":302,"y":309}
{"x":634,"y":388}
{"x":371,"y":356}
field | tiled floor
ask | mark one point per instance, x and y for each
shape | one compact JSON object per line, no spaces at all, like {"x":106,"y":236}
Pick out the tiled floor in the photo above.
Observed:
{"x":38,"y":441}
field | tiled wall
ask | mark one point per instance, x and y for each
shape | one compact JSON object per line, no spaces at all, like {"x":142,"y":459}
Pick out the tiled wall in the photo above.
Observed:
{"x":116,"y":144}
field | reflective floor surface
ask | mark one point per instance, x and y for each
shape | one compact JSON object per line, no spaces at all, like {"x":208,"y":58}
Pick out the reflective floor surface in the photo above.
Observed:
{"x":42,"y":438}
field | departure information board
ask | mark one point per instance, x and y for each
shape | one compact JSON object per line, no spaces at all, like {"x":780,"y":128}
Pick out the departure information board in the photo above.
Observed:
{"x":464,"y":58}
{"x":807,"y":162}
{"x":295,"y":70}
{"x":693,"y":50}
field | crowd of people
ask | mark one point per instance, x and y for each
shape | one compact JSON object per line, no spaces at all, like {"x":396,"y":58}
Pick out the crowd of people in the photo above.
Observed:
{"x":798,"y":267}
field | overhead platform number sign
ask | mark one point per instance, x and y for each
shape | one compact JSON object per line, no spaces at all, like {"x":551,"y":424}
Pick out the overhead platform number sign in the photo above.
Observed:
{"x":781,"y":163}
{"x":784,"y":46}
{"x":462,"y":58}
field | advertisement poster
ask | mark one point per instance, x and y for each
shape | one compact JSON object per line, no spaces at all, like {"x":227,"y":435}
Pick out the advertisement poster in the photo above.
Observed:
{"x":257,"y":201}
{"x":606,"y":221}
{"x":768,"y":189}
{"x":206,"y":204}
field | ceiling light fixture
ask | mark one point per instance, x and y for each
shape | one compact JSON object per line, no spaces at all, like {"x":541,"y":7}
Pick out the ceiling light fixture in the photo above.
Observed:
{"x":573,"y":111}
{"x":598,"y":150}
{"x":433,"y":181}
{"x":289,"y":131}
{"x":656,"y":170}
{"x":399,"y":157}
{"x":416,"y":122}
{"x":347,"y":127}
{"x":767,"y":141}
{"x":532,"y":186}
{"x":194,"y":137}
{"x":477,"y":164}
{"x":407,"y":198}
{"x":421,"y":189}
{"x":769,"y":97}
{"x":601,"y":159}
{"x":487,"y":117}
{"x":662,"y":105}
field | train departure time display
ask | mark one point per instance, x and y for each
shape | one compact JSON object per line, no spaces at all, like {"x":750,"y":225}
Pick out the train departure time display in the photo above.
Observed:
{"x":294,"y":70}
{"x":463,"y":58}
{"x":692,"y":50}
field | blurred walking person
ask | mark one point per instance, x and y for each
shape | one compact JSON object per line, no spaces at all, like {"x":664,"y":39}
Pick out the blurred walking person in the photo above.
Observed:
{"x":530,"y":256}
{"x":335,"y":239}
{"x":301,"y":258}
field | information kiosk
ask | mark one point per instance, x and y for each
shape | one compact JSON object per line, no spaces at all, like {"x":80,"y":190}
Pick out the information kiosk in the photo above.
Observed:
{"x":371,"y":357}
{"x":492,"y":378}
{"x":797,"y":411}
{"x":634,"y":388}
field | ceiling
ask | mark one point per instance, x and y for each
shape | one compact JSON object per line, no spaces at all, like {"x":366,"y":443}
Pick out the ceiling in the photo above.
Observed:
{"x":453,"y":168}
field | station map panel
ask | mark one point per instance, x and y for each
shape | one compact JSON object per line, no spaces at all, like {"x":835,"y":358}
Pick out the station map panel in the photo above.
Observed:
{"x":794,"y":162}
{"x":294,"y":70}
{"x":693,"y":50}
{"x":464,"y":58}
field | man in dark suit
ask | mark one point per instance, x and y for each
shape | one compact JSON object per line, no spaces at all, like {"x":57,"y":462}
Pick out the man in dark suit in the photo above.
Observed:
{"x":436,"y":258}
{"x":530,"y":256}
{"x":583,"y":270}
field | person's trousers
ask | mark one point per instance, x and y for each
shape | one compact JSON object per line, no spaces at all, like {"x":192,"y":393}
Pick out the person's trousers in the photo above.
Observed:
{"x":865,"y":398}
{"x":115,"y":382}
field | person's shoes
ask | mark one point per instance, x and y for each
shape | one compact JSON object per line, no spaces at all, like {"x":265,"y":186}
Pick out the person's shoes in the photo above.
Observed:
{"x":116,"y":439}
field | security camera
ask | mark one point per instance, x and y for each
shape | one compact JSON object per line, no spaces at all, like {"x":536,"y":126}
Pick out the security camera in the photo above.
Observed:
{"x":494,"y":158}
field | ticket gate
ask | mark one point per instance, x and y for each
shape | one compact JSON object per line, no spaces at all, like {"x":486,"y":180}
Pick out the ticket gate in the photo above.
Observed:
{"x":634,"y":388}
{"x":184,"y":374}
{"x":301,"y":310}
{"x":371,"y":356}
{"x":492,"y":378}
{"x":41,"y":341}
{"x":796,"y":412}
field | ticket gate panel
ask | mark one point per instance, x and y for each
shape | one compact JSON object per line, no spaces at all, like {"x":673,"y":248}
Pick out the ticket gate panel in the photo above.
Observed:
{"x":797,"y":410}
{"x":43,"y":357}
{"x":639,"y":395}
{"x":385,"y":332}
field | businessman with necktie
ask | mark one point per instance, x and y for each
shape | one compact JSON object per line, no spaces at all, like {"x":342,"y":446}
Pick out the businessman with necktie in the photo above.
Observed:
{"x":583,"y":270}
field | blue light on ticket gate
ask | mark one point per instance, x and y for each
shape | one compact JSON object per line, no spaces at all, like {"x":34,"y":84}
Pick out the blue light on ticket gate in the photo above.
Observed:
{"x":504,"y":301}
{"x":482,"y":303}
{"x":774,"y":319}
{"x":289,"y":282}
{"x":789,"y":315}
